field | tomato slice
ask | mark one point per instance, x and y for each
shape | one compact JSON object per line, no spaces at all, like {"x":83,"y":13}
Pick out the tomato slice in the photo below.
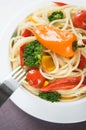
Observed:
{"x":61,"y":84}
{"x":21,"y":54}
{"x":84,"y":82}
{"x":60,"y":3}
{"x":82,"y":63}
{"x":35,"y":78}
{"x":79,"y":19}
{"x":26,"y":33}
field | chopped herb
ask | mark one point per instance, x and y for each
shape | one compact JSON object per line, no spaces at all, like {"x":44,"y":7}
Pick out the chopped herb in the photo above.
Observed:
{"x":33,"y":53}
{"x":50,"y":96}
{"x":55,"y":15}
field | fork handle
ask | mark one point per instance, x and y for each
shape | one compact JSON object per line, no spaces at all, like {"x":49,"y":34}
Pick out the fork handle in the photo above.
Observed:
{"x":5,"y":93}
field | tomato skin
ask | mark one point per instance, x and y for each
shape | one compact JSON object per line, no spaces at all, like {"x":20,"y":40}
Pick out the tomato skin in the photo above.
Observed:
{"x":79,"y":19}
{"x":84,"y":41}
{"x":21,"y":54}
{"x":60,"y":3}
{"x":84,"y":82}
{"x":82,"y":63}
{"x":35,"y":78}
{"x":26,"y":33}
{"x":61,"y":84}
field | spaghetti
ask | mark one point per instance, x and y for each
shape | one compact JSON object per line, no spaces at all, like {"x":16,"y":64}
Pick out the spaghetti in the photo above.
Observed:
{"x":53,"y":66}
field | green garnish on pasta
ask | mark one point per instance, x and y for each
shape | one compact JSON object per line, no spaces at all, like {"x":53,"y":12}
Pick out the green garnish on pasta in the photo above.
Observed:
{"x":33,"y":54}
{"x":50,"y":96}
{"x":50,"y":44}
{"x":55,"y":15}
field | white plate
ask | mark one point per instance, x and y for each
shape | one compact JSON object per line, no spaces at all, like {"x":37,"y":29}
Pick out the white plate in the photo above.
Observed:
{"x":53,"y":112}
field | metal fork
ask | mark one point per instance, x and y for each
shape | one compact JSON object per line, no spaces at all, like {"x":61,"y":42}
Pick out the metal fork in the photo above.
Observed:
{"x":11,"y":83}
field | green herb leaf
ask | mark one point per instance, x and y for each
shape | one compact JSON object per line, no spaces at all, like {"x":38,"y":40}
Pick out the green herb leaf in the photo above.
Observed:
{"x":55,"y":15}
{"x":50,"y":96}
{"x":33,"y":54}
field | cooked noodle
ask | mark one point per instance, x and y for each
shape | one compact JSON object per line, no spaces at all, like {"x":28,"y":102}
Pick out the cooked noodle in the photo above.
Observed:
{"x":64,"y":67}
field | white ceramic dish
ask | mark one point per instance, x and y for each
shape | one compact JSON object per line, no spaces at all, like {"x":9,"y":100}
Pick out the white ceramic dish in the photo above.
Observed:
{"x":70,"y":112}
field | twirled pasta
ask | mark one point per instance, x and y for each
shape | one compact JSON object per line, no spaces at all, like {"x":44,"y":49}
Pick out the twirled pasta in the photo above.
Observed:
{"x":64,"y":67}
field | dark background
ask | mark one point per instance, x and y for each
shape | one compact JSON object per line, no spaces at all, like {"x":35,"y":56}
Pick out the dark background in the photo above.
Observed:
{"x":12,"y":118}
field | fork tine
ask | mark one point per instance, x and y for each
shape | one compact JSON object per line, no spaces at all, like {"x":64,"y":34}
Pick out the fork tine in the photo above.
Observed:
{"x":14,"y":71}
{"x":18,"y":74}
{"x":11,"y":83}
{"x":20,"y":77}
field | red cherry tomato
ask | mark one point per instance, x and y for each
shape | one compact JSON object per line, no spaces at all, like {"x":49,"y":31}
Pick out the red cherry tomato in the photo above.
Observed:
{"x":35,"y":78}
{"x":84,"y":41}
{"x":79,"y":19}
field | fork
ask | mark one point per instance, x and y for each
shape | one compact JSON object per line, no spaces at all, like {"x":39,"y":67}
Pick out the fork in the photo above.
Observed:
{"x":11,"y":83}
